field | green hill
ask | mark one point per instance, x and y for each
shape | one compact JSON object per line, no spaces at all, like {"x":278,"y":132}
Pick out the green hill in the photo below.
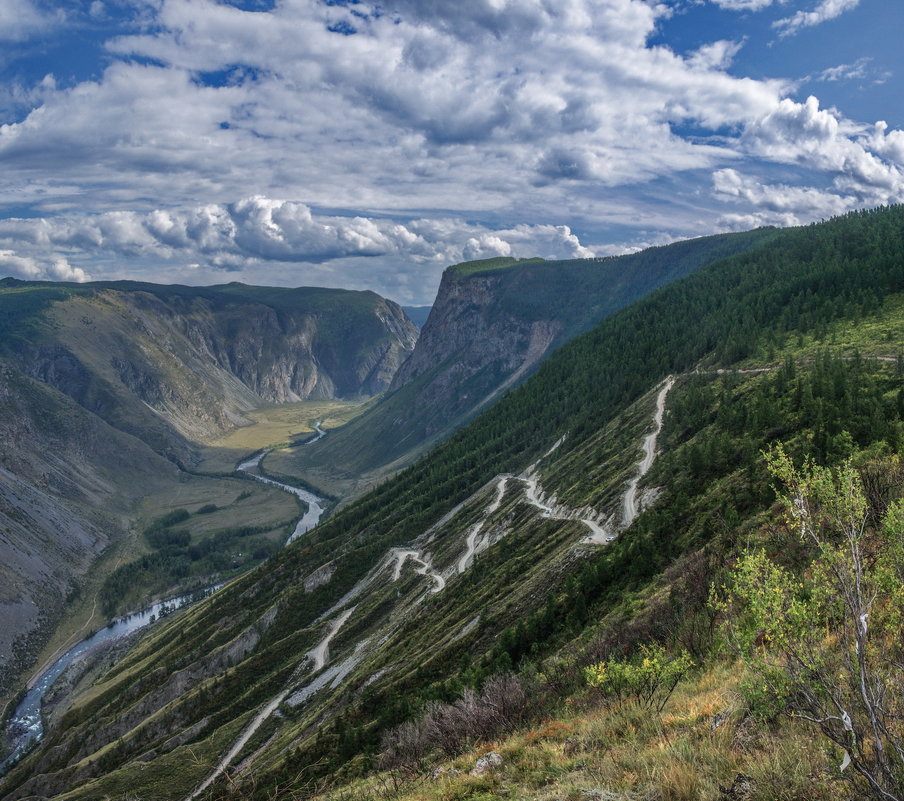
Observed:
{"x":493,"y":323}
{"x":492,"y":554}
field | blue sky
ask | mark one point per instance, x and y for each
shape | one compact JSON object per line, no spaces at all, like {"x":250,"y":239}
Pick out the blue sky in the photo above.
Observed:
{"x":369,"y":145}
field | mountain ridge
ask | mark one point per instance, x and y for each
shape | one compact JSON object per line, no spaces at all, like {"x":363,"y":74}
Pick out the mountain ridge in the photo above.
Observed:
{"x":492,"y":324}
{"x":536,"y":587}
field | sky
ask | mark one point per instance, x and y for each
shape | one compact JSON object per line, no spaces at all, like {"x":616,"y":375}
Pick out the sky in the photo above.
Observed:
{"x":368,"y":145}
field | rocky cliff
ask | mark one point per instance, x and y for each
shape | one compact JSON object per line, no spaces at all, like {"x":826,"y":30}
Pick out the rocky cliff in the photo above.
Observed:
{"x":177,"y":364}
{"x":492,"y":323}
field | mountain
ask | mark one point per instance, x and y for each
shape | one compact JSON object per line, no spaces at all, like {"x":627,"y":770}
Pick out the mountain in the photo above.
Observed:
{"x":493,"y":322}
{"x":67,"y":479}
{"x":173,"y":363}
{"x":583,"y":517}
{"x":106,"y":389}
{"x":417,"y":314}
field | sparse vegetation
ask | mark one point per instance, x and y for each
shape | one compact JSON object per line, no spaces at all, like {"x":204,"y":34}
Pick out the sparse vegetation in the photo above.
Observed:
{"x":825,"y":639}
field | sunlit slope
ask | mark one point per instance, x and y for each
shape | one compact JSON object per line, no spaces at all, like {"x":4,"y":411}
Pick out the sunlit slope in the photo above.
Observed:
{"x":420,"y":616}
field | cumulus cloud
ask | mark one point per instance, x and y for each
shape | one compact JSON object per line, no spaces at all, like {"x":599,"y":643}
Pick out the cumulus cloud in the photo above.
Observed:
{"x":519,"y":112}
{"x":427,"y":92}
{"x":777,"y":204}
{"x":824,"y":11}
{"x":56,"y":269}
{"x":256,"y":230}
{"x":889,"y":144}
{"x":804,"y":133}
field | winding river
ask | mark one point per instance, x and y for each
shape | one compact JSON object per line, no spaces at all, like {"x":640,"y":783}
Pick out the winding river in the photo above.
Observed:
{"x":314,"y":503}
{"x":26,"y":725}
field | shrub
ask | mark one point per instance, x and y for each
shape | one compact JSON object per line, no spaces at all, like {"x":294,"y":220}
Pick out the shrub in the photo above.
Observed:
{"x":827,"y":645}
{"x":500,"y":706}
{"x":648,"y":679}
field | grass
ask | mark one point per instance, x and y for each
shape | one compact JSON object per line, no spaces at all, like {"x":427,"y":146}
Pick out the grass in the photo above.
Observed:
{"x":229,"y":505}
{"x":276,"y":425}
{"x":878,"y":335}
{"x":184,"y":766}
{"x":587,"y":751}
{"x":239,"y":503}
{"x":481,"y":266}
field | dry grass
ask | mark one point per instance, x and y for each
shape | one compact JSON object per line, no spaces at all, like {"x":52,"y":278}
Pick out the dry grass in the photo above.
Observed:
{"x":629,"y":753}
{"x":276,"y":425}
{"x":240,"y":503}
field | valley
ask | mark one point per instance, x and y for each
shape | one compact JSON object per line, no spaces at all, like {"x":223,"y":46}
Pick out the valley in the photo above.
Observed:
{"x":581,"y":519}
{"x":274,"y":426}
{"x":27,"y":716}
{"x":109,"y":398}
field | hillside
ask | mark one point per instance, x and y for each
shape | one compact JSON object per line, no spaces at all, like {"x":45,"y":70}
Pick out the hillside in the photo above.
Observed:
{"x":492,"y":324}
{"x":107,"y":388}
{"x":177,"y":364}
{"x":584,"y":515}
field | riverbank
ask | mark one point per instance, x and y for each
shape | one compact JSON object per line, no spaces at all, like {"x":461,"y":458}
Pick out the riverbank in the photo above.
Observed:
{"x":25,"y":726}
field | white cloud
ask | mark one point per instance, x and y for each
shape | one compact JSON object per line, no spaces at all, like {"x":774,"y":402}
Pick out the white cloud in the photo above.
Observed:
{"x":744,"y":5}
{"x":779,"y":204}
{"x":715,"y":56}
{"x":824,"y":11}
{"x":803,"y":133}
{"x":527,"y":113}
{"x":56,"y":269}
{"x":360,"y":120}
{"x":862,"y":70}
{"x":486,"y":246}
{"x":889,"y":145}
{"x":846,"y":72}
{"x":20,"y":20}
{"x":257,"y":230}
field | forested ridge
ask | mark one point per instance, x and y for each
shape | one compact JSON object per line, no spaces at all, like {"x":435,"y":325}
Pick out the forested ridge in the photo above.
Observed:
{"x":544,"y":612}
{"x":804,"y":279}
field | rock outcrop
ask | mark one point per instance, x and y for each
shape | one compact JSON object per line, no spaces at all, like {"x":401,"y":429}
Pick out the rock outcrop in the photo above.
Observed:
{"x":172,"y":364}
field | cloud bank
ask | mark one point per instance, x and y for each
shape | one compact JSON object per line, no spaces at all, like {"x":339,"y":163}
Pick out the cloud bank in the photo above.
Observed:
{"x":313,"y":134}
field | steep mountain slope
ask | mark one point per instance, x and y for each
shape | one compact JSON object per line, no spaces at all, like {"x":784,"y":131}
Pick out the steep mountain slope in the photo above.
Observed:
{"x":290,"y":674}
{"x":171,"y":364}
{"x":493,"y":322}
{"x":67,"y":481}
{"x":106,"y":388}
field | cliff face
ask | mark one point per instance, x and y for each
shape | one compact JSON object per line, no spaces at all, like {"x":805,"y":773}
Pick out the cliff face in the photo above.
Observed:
{"x":184,"y":366}
{"x":492,"y":323}
{"x":472,"y":346}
